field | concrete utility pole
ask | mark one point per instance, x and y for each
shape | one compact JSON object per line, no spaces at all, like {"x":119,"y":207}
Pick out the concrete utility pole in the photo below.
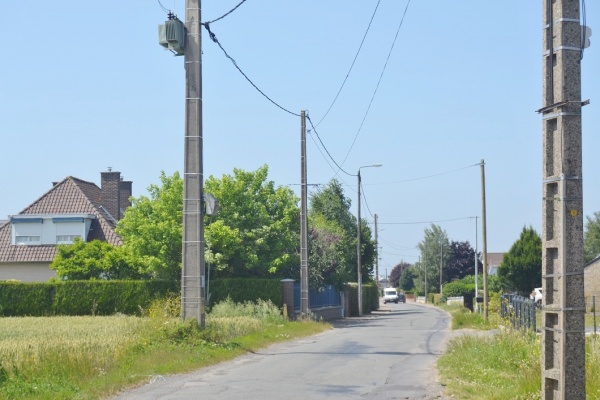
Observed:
{"x":192,"y":279}
{"x":441,"y":264}
{"x":563,"y":341}
{"x":303,"y":220}
{"x":484,"y":245}
{"x":376,"y":256}
{"x":358,"y":252}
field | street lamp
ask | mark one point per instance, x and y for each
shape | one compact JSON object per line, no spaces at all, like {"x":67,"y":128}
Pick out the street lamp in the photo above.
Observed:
{"x":358,"y":270}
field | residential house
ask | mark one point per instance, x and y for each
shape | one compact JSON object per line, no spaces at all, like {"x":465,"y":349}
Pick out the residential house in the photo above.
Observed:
{"x":591,"y":277}
{"x":71,"y":209}
{"x":493,"y":262}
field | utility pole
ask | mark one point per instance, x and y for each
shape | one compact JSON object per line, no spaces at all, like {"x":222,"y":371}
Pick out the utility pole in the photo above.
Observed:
{"x":377,"y":256}
{"x":358,"y":248}
{"x":484,"y":240}
{"x":441,"y":263}
{"x":476,"y":266}
{"x":425,"y":268}
{"x":563,"y":337}
{"x":192,"y":279}
{"x":303,"y":221}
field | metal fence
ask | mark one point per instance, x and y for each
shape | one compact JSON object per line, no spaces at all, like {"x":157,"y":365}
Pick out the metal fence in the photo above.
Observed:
{"x":519,"y":310}
{"x":590,"y":313}
{"x":327,"y":296}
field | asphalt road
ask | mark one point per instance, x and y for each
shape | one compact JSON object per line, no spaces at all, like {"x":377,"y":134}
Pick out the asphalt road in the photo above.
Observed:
{"x":387,"y":355}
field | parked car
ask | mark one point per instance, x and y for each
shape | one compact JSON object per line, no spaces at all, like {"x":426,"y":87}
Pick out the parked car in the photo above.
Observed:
{"x":390,"y":295}
{"x":401,"y":298}
{"x":536,"y":295}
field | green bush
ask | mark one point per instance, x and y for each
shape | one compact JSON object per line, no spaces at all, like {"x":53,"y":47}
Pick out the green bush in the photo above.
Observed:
{"x":240,"y":290}
{"x":80,"y":297}
{"x":458,"y":288}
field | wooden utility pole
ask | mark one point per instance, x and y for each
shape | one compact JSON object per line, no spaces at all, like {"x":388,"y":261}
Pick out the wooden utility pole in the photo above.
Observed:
{"x":563,"y":340}
{"x":192,"y":278}
{"x":484,"y":245}
{"x":303,"y":220}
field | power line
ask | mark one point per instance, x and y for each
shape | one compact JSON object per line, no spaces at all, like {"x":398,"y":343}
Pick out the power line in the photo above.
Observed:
{"x":424,"y":222}
{"x":226,"y":14}
{"x":378,"y":82}
{"x":214,"y":39}
{"x":365,"y":198}
{"x":427,"y":176}
{"x":325,"y":148}
{"x":352,"y":65}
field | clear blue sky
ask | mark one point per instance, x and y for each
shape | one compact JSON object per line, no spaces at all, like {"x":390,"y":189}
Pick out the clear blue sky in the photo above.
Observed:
{"x":86,"y":86}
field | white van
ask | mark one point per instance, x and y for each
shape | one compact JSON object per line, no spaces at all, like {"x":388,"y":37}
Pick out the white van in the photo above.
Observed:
{"x":389,"y":295}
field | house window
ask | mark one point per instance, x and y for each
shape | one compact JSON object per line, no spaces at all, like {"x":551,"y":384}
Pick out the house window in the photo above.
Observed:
{"x":66,"y":239}
{"x":29,"y":240}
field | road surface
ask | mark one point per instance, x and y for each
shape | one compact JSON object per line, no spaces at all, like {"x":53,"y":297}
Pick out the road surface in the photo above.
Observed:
{"x":390,"y":354}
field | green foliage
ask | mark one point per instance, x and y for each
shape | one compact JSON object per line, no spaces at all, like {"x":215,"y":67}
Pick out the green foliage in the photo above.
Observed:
{"x":328,"y":254}
{"x":94,"y":260}
{"x":370,"y":298}
{"x":152,"y":228}
{"x":395,"y":275}
{"x":432,"y":254}
{"x":26,"y":299}
{"x":240,"y":290}
{"x":256,"y":231}
{"x":407,"y":279}
{"x":521,"y":268}
{"x":458,"y":288}
{"x":80,"y":297}
{"x":591,"y":242}
{"x":331,"y":205}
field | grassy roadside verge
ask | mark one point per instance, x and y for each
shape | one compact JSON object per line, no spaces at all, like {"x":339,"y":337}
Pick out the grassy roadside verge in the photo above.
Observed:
{"x":505,"y":365}
{"x":96,"y":357}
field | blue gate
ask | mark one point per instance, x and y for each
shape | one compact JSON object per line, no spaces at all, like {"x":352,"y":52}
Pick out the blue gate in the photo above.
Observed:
{"x":327,"y":296}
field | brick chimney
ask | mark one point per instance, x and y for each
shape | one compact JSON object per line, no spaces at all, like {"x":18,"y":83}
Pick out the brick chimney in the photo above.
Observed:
{"x":110,"y":196}
{"x":125,"y":195}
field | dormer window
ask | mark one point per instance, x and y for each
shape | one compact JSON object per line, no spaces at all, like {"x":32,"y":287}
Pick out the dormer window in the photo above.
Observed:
{"x":32,"y":230}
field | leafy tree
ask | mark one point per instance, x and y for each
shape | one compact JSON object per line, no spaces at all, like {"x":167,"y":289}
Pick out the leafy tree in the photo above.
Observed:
{"x":394,"y":277}
{"x":334,"y":206}
{"x":152,"y":228}
{"x":428,"y":268}
{"x":256,"y":231}
{"x":591,"y":240}
{"x":327,"y":255}
{"x":94,"y":260}
{"x":461,"y":262}
{"x":407,"y":279}
{"x":521,"y":268}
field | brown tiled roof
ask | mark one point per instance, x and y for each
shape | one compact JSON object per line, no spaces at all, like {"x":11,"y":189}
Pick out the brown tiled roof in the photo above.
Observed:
{"x":71,"y":196}
{"x":494,"y":259}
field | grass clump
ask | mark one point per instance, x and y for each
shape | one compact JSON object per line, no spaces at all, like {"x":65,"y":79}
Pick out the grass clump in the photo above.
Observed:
{"x":94,"y":357}
{"x":502,"y":365}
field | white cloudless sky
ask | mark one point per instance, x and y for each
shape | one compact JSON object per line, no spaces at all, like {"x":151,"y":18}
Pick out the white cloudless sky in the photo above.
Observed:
{"x":85,"y":86}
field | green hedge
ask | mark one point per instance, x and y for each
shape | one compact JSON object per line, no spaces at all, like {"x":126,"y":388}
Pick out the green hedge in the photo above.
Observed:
{"x":80,"y":297}
{"x":370,"y":298}
{"x":126,"y":297}
{"x":246,"y":289}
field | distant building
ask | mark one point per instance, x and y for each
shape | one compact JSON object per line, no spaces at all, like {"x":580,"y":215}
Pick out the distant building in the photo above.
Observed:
{"x":493,"y":262}
{"x":591,"y":278}
{"x":71,"y":209}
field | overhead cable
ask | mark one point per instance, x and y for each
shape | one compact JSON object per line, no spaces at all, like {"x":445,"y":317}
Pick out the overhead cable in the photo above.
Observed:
{"x":325,"y":148}
{"x":226,"y":14}
{"x":214,"y":39}
{"x":352,"y":65}
{"x":378,"y":82}
{"x":427,"y":176}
